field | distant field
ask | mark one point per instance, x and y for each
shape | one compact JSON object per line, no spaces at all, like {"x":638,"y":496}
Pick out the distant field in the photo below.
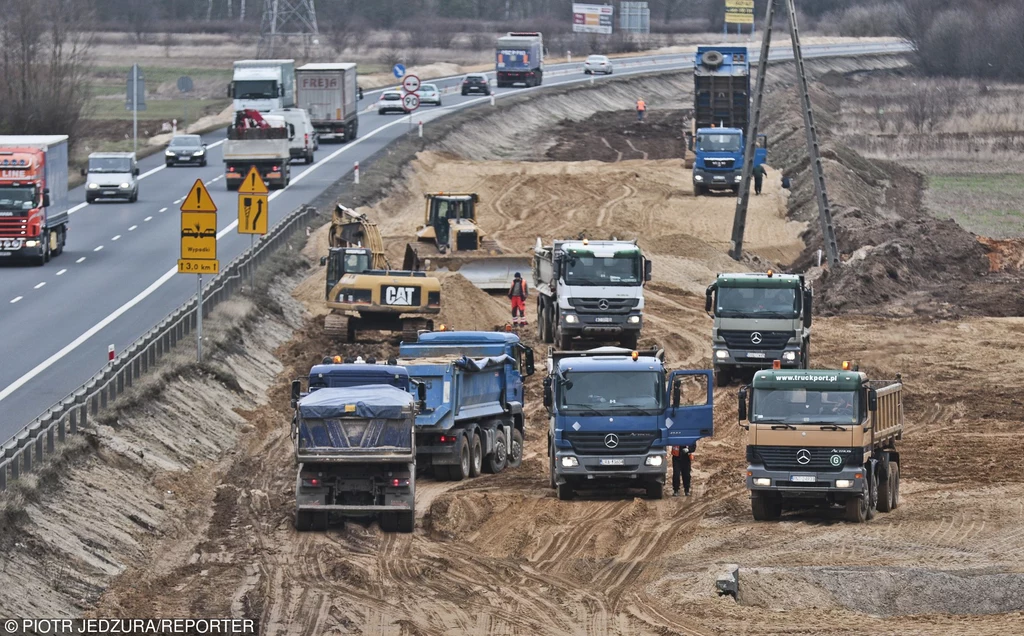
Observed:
{"x":986,"y":204}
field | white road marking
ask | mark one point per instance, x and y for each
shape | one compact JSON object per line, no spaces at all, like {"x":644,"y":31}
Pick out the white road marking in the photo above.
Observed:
{"x":80,"y":260}
{"x":98,"y":248}
{"x":77,"y":208}
{"x":116,"y":237}
{"x":61,"y":272}
{"x":216,"y":179}
{"x":163,"y":209}
{"x":178,"y":201}
{"x":132,"y":228}
{"x":147,"y":219}
{"x":15,"y":299}
{"x":39,"y":285}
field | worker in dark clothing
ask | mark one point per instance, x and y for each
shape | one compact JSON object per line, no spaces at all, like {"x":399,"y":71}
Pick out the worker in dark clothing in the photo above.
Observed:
{"x":682,"y":458}
{"x":518,"y":293}
{"x":759,"y":174}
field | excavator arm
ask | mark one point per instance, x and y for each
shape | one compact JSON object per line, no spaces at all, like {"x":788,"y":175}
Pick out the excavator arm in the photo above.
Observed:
{"x":349,"y":229}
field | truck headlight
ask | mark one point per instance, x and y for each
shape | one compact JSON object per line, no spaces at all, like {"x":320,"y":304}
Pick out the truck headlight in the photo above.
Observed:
{"x":634,"y":319}
{"x":844,"y":483}
{"x":31,"y":243}
{"x":570,"y":462}
{"x":721,"y":354}
{"x":654,"y":460}
{"x":762,"y":481}
{"x":94,"y":186}
{"x":572,"y":320}
{"x":698,"y":178}
{"x":789,"y":355}
{"x":125,"y":186}
{"x":738,"y":178}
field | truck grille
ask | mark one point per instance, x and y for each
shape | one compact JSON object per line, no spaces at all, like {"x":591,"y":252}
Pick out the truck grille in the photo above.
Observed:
{"x":756,"y":339}
{"x":17,"y":226}
{"x":720,"y":164}
{"x":604,"y":305}
{"x":597,"y":442}
{"x":788,"y":457}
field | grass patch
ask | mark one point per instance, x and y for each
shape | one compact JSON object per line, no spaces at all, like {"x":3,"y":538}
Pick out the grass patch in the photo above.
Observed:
{"x":985,"y":204}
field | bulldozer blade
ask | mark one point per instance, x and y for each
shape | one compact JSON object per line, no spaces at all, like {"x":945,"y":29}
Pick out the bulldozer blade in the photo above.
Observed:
{"x":493,"y":273}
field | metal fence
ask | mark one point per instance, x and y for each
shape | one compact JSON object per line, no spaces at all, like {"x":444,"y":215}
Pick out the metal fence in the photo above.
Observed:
{"x":26,"y":450}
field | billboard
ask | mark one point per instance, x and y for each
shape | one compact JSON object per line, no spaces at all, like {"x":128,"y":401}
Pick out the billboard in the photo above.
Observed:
{"x":739,"y":11}
{"x":592,"y":18}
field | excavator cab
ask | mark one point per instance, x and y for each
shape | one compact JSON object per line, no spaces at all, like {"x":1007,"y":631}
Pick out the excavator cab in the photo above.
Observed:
{"x":447,"y":213}
{"x":346,"y":260}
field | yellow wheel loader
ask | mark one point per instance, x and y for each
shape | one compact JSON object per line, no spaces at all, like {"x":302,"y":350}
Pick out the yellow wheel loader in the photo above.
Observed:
{"x":450,"y":239}
{"x":364,"y":293}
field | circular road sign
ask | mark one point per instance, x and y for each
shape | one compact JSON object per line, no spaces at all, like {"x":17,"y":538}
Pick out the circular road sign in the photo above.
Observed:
{"x":411,"y":83}
{"x":411,"y":101}
{"x":398,"y":70}
{"x":185,"y":84}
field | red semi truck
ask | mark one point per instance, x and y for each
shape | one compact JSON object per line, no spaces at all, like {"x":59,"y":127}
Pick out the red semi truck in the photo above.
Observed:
{"x":33,"y":196}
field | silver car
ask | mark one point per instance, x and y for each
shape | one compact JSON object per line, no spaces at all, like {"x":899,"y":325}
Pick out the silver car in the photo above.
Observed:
{"x":389,"y":102}
{"x":429,"y":94}
{"x":597,"y":64}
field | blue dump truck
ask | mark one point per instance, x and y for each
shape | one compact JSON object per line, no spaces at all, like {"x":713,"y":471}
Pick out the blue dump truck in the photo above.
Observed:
{"x":721,"y":88}
{"x":472,"y":415}
{"x":614,"y":412}
{"x":519,"y":59}
{"x":354,"y":445}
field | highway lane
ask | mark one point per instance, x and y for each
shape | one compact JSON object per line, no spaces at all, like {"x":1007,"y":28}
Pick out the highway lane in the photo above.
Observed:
{"x":115,"y":280}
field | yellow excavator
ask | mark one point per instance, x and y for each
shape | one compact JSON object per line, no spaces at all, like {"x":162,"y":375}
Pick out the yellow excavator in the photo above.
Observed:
{"x":364,"y":293}
{"x":450,"y":239}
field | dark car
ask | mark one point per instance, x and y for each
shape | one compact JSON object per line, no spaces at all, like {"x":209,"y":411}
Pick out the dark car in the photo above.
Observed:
{"x":476,"y":83}
{"x":188,"y":149}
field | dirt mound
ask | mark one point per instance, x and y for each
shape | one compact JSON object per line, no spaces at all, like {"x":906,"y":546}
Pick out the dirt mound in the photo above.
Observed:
{"x":1004,"y":255}
{"x":468,"y":308}
{"x":620,"y":136}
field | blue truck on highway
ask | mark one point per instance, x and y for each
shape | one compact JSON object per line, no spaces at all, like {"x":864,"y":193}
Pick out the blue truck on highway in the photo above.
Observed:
{"x":613,"y":412}
{"x":472,"y":417}
{"x":721,"y":88}
{"x":355,"y":448}
{"x":519,"y":59}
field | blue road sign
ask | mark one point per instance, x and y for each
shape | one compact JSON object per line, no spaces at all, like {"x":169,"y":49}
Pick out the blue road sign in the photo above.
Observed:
{"x":398,"y":70}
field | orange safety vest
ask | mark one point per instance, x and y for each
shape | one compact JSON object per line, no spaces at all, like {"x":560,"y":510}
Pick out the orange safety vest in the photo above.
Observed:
{"x":640,"y":105}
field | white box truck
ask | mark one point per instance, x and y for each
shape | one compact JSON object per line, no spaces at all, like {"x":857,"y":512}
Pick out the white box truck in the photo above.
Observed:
{"x":263,"y":85}
{"x":328,"y":92}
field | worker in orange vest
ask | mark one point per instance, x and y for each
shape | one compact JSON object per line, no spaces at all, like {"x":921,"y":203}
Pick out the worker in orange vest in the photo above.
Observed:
{"x":682,"y":458}
{"x":518,"y":293}
{"x":641,"y":108}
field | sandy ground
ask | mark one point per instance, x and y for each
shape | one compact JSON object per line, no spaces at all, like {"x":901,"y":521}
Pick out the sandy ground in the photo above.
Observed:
{"x":500,"y":554}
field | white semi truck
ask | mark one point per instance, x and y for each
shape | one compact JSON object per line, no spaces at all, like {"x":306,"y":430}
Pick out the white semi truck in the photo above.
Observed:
{"x":328,"y":92}
{"x":263,"y":85}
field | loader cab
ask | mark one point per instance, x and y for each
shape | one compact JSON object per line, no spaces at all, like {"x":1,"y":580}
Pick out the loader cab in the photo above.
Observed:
{"x":442,"y":209}
{"x":345,"y":260}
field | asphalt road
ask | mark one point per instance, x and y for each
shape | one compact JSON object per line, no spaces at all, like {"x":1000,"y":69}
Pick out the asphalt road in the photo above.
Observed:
{"x":117,"y":276}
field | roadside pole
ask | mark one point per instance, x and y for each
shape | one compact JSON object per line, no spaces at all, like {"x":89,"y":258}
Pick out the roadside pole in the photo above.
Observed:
{"x":198,"y":246}
{"x":135,"y":108}
{"x":199,"y":318}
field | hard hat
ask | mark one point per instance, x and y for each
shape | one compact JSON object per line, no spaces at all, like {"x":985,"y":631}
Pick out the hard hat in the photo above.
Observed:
{"x":517,"y":275}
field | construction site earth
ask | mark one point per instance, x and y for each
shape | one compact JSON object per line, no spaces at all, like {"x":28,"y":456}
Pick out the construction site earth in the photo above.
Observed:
{"x":200,"y":521}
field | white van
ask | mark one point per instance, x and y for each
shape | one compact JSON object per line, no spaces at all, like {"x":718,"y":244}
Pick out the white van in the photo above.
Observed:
{"x":302,"y":140}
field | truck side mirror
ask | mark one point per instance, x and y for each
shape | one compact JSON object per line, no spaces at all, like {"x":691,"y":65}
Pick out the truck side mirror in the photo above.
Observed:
{"x":280,"y":90}
{"x":808,"y":305}
{"x":135,"y":172}
{"x":46,"y":197}
{"x":421,"y":395}
{"x":743,"y":404}
{"x":84,"y":172}
{"x":647,"y":269}
{"x":296,"y":392}
{"x":872,"y":400}
{"x":323,"y":261}
{"x":549,"y":397}
{"x":709,"y":298}
{"x":231,"y":89}
{"x":529,"y":362}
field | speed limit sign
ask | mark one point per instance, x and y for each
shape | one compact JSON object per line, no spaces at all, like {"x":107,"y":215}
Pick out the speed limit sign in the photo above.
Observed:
{"x":411,"y":101}
{"x":411,"y":84}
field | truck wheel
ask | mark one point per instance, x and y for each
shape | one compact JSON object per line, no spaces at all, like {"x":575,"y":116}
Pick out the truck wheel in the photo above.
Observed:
{"x":304,"y":520}
{"x":460,"y":471}
{"x":515,"y":454}
{"x":564,"y":342}
{"x":655,"y":490}
{"x":765,"y":506}
{"x":62,"y":238}
{"x":629,"y":340}
{"x":699,"y":191}
{"x":873,"y":496}
{"x":856,"y":509}
{"x":476,"y":457}
{"x":551,"y":466}
{"x":565,"y":492}
{"x":894,"y":469}
{"x":723,"y":377}
{"x":885,"y":488}
{"x":498,"y":459}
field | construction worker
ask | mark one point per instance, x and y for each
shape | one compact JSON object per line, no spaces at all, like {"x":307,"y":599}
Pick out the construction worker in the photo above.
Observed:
{"x":759,"y":174}
{"x":682,"y":458}
{"x":641,"y":108}
{"x":518,"y":293}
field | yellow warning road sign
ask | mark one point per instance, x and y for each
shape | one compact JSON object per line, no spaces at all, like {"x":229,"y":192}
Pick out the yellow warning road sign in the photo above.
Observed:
{"x":253,"y":184}
{"x":198,"y":266}
{"x":253,"y":210}
{"x":198,"y":199}
{"x":198,"y":235}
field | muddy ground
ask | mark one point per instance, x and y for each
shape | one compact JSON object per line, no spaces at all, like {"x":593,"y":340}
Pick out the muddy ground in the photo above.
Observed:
{"x":500,"y":554}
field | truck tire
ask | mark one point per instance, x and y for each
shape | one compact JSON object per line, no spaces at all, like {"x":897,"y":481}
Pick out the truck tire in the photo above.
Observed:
{"x":498,"y":459}
{"x":476,"y":458}
{"x":62,"y":237}
{"x":629,"y":340}
{"x":460,"y":471}
{"x":856,"y":509}
{"x":885,"y":487}
{"x":565,"y":492}
{"x":894,"y":468}
{"x":564,"y":342}
{"x":712,"y":59}
{"x":551,"y":467}
{"x":699,"y":191}
{"x":655,"y":490}
{"x":765,"y":506}
{"x":723,"y":376}
{"x":515,"y":454}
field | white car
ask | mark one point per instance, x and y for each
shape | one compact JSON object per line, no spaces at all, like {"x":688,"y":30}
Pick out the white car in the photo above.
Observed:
{"x":390,"y":101}
{"x":597,"y":64}
{"x":429,"y":94}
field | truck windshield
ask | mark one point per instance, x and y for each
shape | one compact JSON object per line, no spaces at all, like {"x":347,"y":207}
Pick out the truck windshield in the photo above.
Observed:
{"x":799,"y":406}
{"x":594,"y":271}
{"x":110,"y":165}
{"x":718,"y":143}
{"x":17,"y":199}
{"x":754,"y":301}
{"x":606,"y":391}
{"x":255,"y":89}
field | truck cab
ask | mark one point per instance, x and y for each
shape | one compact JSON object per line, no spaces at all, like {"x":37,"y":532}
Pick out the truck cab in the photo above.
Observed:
{"x":718,"y":158}
{"x":759,"y":318}
{"x":612,"y":415}
{"x":112,"y":175}
{"x":262,"y":85}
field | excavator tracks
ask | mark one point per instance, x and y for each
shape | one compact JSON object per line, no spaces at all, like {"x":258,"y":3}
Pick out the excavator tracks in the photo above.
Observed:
{"x":340,"y":327}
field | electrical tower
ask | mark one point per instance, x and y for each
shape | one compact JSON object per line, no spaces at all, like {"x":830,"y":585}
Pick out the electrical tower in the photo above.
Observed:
{"x":283,"y":19}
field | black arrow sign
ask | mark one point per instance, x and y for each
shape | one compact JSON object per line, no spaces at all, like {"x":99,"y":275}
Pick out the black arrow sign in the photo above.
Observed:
{"x":259,"y":211}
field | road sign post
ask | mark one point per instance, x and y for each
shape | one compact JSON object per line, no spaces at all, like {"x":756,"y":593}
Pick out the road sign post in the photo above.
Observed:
{"x":198,"y":246}
{"x":135,"y":100}
{"x":253,"y":211}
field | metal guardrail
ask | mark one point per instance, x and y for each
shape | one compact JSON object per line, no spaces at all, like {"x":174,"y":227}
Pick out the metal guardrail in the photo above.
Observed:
{"x":25,"y":451}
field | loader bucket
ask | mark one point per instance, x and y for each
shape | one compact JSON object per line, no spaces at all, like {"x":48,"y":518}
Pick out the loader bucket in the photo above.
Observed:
{"x":493,"y":273}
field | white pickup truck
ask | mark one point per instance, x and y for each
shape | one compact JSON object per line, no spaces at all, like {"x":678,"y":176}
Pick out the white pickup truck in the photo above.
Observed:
{"x":265,"y":148}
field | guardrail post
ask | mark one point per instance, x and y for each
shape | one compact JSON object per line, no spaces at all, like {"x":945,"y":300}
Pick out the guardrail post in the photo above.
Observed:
{"x":15,"y":466}
{"x":62,"y":426}
{"x":39,"y":446}
{"x":3,"y":478}
{"x":26,"y":456}
{"x":103,"y":400}
{"x":50,"y":445}
{"x":119,"y":383}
